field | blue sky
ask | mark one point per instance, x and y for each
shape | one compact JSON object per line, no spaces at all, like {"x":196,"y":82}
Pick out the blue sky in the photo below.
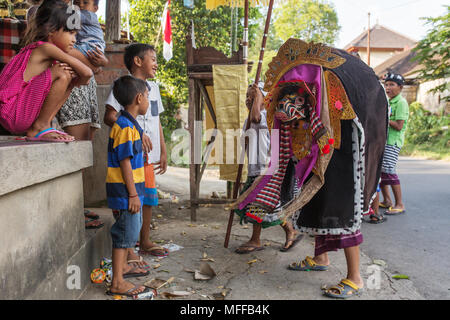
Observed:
{"x":402,"y":16}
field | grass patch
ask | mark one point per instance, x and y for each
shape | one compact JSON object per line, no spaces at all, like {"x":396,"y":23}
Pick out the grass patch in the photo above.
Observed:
{"x":427,"y":134}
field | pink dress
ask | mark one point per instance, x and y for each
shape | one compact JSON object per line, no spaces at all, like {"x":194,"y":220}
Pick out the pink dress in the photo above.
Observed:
{"x":21,"y":101}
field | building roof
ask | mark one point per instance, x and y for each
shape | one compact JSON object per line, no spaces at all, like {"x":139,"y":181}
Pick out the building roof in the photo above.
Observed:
{"x":400,"y":63}
{"x":382,"y":37}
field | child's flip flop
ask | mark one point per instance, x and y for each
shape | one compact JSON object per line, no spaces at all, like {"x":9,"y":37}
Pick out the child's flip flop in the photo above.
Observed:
{"x":41,"y":136}
{"x":392,"y":212}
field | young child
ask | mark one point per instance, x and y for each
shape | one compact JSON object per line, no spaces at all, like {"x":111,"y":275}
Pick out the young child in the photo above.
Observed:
{"x":125,"y":181}
{"x":398,"y":121}
{"x":140,"y":59}
{"x":90,"y":37}
{"x":38,"y":80}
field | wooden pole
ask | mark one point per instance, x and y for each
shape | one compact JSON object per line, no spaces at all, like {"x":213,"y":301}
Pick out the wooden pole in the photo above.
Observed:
{"x":368,"y":43}
{"x":112,"y":31}
{"x":257,"y":77}
{"x":245,"y":37}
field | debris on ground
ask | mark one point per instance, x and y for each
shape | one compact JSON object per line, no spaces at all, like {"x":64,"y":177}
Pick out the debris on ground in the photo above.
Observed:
{"x":205,"y":272}
{"x":158,"y":283}
{"x":172,"y":247}
{"x":175,"y":294}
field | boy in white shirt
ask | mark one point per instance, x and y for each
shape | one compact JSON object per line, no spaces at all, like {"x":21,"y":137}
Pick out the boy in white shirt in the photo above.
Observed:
{"x":140,"y":60}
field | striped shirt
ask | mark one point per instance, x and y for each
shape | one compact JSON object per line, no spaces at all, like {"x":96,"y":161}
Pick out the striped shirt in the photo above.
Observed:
{"x":124,"y":142}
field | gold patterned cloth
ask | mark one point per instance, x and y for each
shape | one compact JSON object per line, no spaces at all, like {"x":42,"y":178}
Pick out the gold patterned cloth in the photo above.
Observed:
{"x":230,"y":89}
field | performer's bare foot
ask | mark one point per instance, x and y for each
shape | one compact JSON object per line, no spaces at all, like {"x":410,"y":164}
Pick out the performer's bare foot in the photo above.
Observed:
{"x":254,"y":244}
{"x":292,"y":237}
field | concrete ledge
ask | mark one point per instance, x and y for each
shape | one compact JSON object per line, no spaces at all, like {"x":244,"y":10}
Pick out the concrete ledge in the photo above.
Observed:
{"x":25,"y":164}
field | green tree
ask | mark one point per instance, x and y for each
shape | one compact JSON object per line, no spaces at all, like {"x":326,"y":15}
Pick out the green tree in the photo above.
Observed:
{"x":433,"y":52}
{"x":212,"y":28}
{"x":309,"y":20}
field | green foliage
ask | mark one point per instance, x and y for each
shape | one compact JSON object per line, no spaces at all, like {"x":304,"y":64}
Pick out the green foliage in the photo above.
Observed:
{"x":427,"y":130}
{"x":212,"y":28}
{"x":433,"y":52}
{"x":309,"y":20}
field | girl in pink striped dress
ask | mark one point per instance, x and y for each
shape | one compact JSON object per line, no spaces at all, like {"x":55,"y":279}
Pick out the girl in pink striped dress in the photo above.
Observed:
{"x":38,"y":80}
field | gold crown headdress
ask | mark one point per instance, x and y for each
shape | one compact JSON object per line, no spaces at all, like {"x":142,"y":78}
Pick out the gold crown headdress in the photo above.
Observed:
{"x":295,"y":52}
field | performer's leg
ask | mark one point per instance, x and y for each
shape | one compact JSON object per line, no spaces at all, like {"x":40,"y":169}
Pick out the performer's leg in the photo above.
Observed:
{"x":353,"y":274}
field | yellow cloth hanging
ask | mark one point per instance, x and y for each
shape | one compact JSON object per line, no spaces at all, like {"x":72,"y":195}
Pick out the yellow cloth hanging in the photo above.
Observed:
{"x":212,"y":4}
{"x":230,"y":89}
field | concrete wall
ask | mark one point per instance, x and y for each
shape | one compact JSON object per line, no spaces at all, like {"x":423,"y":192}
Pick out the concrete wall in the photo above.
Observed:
{"x":376,"y":57}
{"x":433,"y":102}
{"x":41,"y":208}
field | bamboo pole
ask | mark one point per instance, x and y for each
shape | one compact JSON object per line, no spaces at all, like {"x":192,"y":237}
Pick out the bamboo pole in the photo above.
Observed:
{"x":257,"y":77}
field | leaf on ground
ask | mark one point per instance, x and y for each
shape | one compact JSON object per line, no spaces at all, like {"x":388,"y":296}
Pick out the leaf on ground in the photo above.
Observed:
{"x":252,"y":261}
{"x":159,"y":216}
{"x":400,"y":276}
{"x":156,"y":266}
{"x":203,"y":239}
{"x":379,"y":262}
{"x":262,"y":271}
{"x":267,"y":244}
{"x":183,"y":233}
{"x":192,"y":225}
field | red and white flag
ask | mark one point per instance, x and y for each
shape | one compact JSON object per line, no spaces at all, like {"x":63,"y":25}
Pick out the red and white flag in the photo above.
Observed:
{"x":167,"y":33}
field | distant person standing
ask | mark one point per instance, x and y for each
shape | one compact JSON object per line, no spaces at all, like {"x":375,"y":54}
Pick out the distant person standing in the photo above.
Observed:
{"x":396,"y":136}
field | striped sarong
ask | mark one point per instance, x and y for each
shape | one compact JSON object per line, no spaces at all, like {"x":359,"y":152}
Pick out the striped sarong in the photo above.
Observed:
{"x":269,"y":197}
{"x":390,"y":159}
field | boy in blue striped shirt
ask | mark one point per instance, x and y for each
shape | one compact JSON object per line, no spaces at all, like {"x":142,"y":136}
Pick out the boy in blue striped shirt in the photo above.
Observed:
{"x":125,"y":182}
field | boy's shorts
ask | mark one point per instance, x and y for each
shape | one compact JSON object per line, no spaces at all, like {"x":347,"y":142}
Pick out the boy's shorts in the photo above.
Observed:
{"x":151,"y":194}
{"x":125,"y":231}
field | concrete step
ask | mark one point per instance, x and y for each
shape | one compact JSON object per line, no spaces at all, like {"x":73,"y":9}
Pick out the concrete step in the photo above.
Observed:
{"x":72,"y":278}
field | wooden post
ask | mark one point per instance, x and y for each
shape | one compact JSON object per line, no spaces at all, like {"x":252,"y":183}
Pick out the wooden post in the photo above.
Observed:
{"x":112,"y":31}
{"x":194,"y":166}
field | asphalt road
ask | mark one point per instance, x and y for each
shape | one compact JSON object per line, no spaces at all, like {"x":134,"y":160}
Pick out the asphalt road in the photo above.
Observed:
{"x":417,"y":243}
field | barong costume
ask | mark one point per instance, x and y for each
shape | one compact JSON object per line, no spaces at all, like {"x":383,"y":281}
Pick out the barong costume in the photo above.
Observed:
{"x":329,"y":143}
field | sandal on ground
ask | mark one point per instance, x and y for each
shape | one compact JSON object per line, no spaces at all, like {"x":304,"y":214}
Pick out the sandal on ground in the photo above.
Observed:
{"x":93,"y":224}
{"x":245,"y":248}
{"x":375,"y":219}
{"x":153,"y":251}
{"x":382,"y":205}
{"x":346,"y":289}
{"x":128,"y":293}
{"x":133,"y":273}
{"x":308,"y":264}
{"x":141,"y":260}
{"x":91,"y":215}
{"x":392,"y":212}
{"x":292,"y":243}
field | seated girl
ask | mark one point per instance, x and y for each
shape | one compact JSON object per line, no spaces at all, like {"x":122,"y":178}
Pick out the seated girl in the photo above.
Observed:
{"x":38,"y":80}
